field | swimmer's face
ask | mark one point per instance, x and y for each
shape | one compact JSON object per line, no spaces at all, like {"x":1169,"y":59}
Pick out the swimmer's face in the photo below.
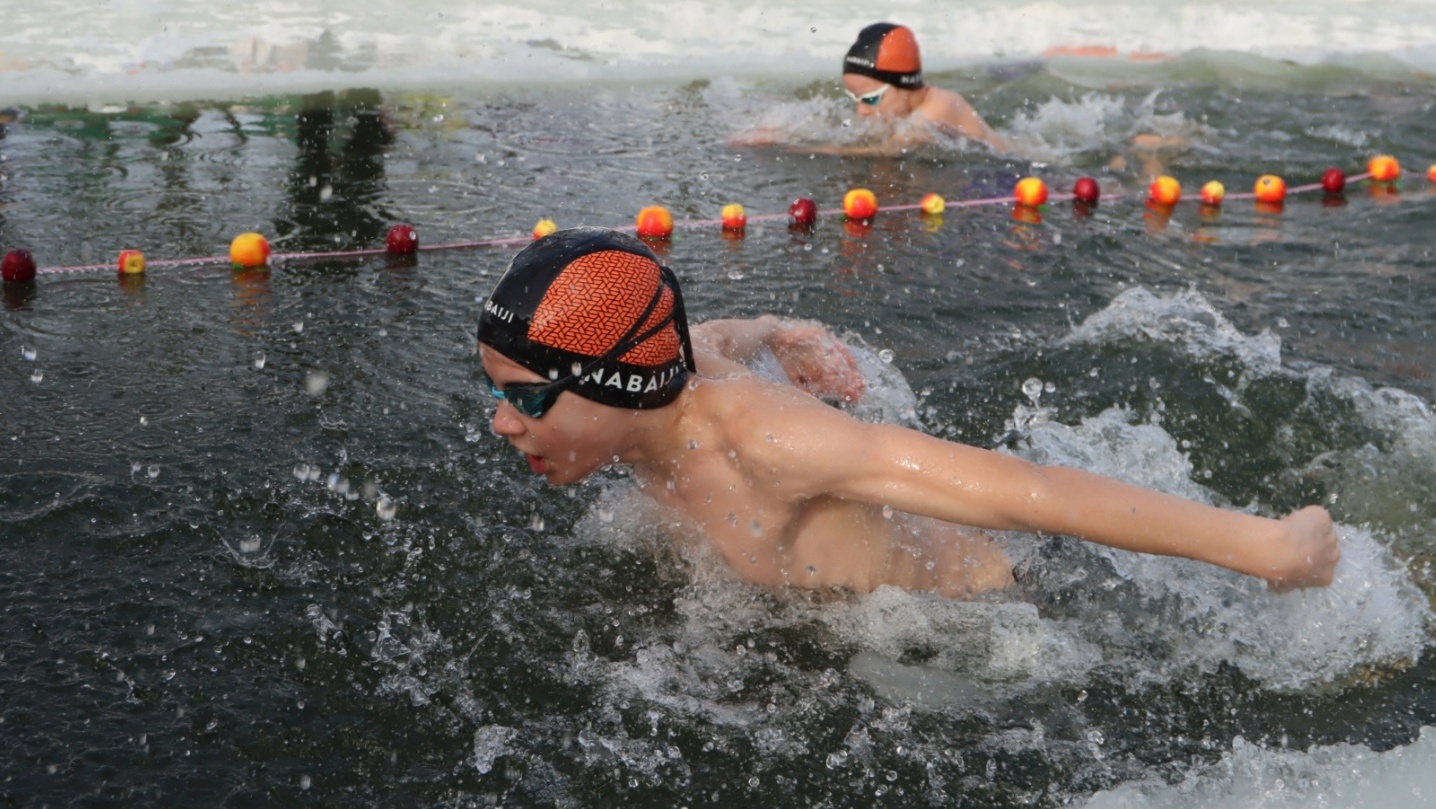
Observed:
{"x":571,"y":441}
{"x":893,"y":102}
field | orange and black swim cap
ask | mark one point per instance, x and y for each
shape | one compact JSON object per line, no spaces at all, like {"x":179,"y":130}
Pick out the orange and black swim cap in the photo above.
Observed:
{"x":596,"y":304}
{"x":888,"y":53}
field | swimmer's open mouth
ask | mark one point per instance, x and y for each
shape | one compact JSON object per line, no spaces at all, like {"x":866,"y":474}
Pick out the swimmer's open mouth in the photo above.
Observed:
{"x":539,"y":465}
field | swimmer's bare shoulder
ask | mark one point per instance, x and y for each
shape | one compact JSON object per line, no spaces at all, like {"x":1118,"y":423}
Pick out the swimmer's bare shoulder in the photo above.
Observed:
{"x":952,"y":113}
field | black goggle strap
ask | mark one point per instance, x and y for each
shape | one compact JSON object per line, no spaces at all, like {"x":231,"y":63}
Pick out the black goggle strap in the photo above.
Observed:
{"x":680,"y":319}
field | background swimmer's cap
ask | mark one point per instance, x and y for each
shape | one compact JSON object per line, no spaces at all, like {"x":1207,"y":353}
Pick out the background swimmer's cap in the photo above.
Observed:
{"x":597,"y":301}
{"x":888,"y":53}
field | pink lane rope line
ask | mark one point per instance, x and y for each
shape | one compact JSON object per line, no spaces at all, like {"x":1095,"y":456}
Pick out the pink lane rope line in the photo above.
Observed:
{"x":686,"y":223}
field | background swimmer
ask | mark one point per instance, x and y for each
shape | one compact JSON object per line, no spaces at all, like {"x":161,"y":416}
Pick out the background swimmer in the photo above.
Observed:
{"x":882,"y":75}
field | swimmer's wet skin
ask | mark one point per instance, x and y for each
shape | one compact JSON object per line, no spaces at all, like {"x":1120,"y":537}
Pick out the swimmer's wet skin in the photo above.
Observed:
{"x":886,"y":57}
{"x":586,"y":342}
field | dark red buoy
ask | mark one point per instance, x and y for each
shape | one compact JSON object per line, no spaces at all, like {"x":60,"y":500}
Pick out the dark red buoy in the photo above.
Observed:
{"x":1333,"y":181}
{"x":803,"y":211}
{"x":1086,"y":190}
{"x":18,"y":266}
{"x":401,"y":240}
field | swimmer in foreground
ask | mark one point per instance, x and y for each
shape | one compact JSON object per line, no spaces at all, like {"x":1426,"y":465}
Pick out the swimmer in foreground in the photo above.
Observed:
{"x":882,"y":75}
{"x":586,"y":344}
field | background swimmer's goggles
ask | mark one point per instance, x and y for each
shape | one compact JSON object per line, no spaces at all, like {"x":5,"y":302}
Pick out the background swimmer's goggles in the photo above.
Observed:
{"x":533,"y":399}
{"x":871,"y":99}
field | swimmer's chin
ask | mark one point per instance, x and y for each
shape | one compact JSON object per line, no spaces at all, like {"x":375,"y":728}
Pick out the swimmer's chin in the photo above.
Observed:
{"x":556,"y":475}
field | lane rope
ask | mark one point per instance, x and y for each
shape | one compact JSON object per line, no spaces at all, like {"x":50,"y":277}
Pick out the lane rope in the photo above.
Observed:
{"x":251,"y":250}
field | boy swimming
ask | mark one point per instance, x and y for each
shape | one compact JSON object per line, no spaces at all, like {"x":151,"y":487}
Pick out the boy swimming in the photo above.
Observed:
{"x":882,"y":75}
{"x":586,"y":343}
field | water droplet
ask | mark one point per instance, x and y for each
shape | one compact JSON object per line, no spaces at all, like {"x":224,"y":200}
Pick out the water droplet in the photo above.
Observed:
{"x":37,"y":377}
{"x":304,"y":782}
{"x":259,"y":361}
{"x":1032,"y":386}
{"x":28,"y":353}
{"x":153,"y":471}
{"x":536,"y":522}
{"x":735,"y":275}
{"x":326,"y":193}
{"x":299,"y":327}
{"x":886,"y":355}
{"x":316,"y":382}
{"x":251,"y":545}
{"x":1096,"y":736}
{"x":144,"y":420}
{"x":755,"y":528}
{"x":1082,"y":695}
{"x":385,"y":508}
{"x":605,"y":515}
{"x":887,"y":512}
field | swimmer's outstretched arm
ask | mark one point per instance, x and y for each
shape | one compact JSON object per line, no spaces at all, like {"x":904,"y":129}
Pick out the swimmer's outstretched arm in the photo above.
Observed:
{"x":817,"y":451}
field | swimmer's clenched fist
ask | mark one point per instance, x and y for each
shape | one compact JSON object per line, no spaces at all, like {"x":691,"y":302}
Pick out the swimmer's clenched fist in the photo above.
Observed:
{"x":1311,"y":551}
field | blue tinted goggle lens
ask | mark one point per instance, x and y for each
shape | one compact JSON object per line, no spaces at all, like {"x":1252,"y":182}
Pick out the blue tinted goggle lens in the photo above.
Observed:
{"x":871,"y":99}
{"x":533,"y":399}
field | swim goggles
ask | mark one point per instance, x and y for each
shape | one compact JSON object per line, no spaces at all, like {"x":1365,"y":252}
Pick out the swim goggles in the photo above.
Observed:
{"x":533,"y":399}
{"x":871,"y":99}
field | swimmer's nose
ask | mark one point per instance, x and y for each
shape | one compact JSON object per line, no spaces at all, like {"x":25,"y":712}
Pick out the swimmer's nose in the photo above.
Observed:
{"x":507,"y":421}
{"x":866,"y":110}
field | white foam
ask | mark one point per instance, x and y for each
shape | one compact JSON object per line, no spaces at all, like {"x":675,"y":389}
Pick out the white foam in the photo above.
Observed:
{"x":1340,"y":776}
{"x":1370,"y":615}
{"x":1186,"y":320}
{"x":145,"y":49}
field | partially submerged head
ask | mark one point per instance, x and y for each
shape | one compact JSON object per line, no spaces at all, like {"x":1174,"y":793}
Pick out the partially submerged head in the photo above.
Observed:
{"x":587,"y":312}
{"x":884,"y":59}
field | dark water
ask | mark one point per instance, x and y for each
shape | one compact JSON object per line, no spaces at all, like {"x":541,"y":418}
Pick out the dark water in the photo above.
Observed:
{"x":259,"y":547}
